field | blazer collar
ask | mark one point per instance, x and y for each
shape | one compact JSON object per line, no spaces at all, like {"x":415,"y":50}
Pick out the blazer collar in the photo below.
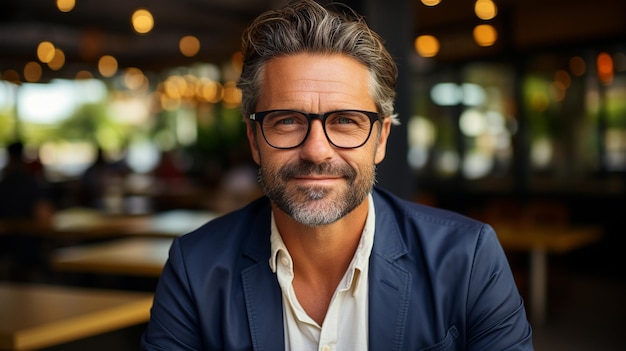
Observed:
{"x":389,"y":283}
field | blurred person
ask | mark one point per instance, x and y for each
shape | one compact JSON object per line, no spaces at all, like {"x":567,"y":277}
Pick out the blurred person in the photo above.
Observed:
{"x":102,"y":184}
{"x":326,"y":260}
{"x":172,"y":187}
{"x":25,"y":209}
{"x":168,"y":171}
{"x":23,"y":194}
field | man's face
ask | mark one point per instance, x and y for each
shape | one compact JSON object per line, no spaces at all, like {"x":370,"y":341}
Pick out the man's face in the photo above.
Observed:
{"x":317,"y":183}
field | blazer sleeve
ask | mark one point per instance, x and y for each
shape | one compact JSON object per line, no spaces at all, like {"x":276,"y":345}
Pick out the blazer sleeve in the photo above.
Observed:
{"x":496,"y":315}
{"x":173,"y":321}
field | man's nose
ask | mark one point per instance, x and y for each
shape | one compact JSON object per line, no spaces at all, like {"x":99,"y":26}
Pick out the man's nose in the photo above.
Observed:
{"x":317,"y":148}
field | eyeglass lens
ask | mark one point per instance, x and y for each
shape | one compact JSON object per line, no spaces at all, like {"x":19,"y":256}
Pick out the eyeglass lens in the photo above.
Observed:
{"x":287,"y":129}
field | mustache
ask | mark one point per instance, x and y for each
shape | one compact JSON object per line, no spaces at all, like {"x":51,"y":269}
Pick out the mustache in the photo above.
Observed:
{"x":305,"y":168}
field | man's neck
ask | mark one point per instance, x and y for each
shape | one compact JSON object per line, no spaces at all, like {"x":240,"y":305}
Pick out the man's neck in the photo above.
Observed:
{"x":325,"y":248}
{"x":321,"y":255}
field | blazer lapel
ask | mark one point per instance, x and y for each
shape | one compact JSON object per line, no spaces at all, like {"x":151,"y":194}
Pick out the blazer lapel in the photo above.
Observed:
{"x":262,"y":293}
{"x":389,"y":283}
{"x":264,"y":307}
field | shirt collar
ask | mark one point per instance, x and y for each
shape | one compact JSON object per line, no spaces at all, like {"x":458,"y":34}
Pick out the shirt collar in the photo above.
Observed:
{"x":277,"y":244}
{"x":360,"y":260}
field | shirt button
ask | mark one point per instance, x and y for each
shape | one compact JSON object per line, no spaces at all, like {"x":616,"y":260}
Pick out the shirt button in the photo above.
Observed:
{"x":326,"y":348}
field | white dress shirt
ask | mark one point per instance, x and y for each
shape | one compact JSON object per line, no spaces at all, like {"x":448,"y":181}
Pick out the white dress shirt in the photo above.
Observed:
{"x":345,"y":325}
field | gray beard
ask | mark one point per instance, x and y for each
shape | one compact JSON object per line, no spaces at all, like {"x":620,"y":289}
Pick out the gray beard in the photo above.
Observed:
{"x":316,"y":209}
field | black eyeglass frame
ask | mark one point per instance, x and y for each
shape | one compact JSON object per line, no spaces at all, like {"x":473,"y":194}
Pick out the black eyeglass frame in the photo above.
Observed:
{"x":259,"y":116}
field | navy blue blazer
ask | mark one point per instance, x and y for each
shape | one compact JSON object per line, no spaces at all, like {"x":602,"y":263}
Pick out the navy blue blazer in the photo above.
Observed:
{"x":437,"y":281}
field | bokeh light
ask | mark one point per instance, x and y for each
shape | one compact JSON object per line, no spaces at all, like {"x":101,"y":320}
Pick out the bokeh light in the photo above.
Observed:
{"x":66,"y":5}
{"x":485,"y":35}
{"x":45,"y":51}
{"x":142,"y":21}
{"x":485,"y":9}
{"x":107,"y":66}
{"x":427,"y":45}
{"x":189,"y":45}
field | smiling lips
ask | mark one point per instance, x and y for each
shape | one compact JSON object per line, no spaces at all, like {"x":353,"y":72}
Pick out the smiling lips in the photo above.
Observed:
{"x":317,"y":179}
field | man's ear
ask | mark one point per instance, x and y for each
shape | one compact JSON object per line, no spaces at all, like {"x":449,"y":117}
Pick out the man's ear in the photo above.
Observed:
{"x":252,"y":140}
{"x":381,"y":146}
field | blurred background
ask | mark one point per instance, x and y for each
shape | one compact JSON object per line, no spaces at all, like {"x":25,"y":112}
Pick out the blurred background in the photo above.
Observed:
{"x":513,"y":112}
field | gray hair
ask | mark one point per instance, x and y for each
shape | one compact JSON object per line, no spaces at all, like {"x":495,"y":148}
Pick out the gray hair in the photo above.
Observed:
{"x":305,"y":26}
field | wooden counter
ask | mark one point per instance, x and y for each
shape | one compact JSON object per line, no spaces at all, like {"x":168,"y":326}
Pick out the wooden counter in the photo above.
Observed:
{"x":37,"y":316}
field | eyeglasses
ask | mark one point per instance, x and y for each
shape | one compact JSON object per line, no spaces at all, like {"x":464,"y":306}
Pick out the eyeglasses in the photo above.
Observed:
{"x":286,"y":129}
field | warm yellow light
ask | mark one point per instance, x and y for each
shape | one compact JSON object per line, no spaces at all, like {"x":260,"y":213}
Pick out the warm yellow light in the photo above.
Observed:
{"x":32,"y":72}
{"x":188,"y":90}
{"x":232,"y":95}
{"x":58,"y":61}
{"x":485,"y":35}
{"x":577,"y":66}
{"x":134,"y":79}
{"x":485,"y":9}
{"x":45,"y":51}
{"x":142,"y":21}
{"x":431,"y":2}
{"x":66,"y":5}
{"x":207,"y":90}
{"x":189,"y":45}
{"x":427,"y":45}
{"x":107,"y":66}
{"x":175,"y":86}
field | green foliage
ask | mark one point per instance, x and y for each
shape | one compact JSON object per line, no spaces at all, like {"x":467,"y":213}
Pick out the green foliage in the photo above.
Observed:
{"x":7,"y":127}
{"x":91,"y":122}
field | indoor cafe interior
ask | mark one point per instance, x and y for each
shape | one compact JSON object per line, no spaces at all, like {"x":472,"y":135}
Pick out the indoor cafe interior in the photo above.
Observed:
{"x":125,"y":113}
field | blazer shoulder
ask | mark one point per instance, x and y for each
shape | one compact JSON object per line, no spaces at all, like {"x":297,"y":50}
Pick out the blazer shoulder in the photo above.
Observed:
{"x":405,"y":210}
{"x":231,"y":228}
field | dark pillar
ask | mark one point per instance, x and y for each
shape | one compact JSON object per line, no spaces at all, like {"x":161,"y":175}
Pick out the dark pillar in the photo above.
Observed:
{"x":393,"y":20}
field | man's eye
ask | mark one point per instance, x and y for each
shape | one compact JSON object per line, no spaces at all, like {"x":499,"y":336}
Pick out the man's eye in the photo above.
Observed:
{"x":287,"y":120}
{"x":344,"y":120}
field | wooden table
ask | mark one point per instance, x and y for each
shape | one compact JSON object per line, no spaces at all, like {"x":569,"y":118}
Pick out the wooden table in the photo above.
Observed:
{"x":541,"y":240}
{"x":37,"y":316}
{"x":142,"y":256}
{"x":86,"y":222}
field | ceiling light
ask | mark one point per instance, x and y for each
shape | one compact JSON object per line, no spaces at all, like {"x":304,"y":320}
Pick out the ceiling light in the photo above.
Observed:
{"x":427,"y":45}
{"x":142,"y":21}
{"x":58,"y":61}
{"x":189,"y":45}
{"x":66,"y":5}
{"x":431,"y":2}
{"x":45,"y":51}
{"x":107,"y":66}
{"x":485,"y":35}
{"x":485,"y":9}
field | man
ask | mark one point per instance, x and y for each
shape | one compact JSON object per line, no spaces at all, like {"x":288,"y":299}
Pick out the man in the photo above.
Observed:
{"x":326,"y":262}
